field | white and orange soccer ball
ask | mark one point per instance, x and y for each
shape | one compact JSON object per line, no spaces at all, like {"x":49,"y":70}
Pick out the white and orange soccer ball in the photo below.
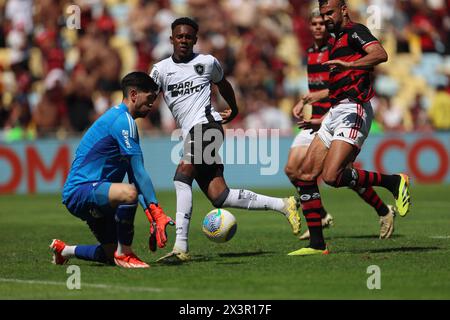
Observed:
{"x":219,"y":225}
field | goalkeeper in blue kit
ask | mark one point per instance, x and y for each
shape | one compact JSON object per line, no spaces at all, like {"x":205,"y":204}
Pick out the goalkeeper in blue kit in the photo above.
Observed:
{"x":95,"y":192}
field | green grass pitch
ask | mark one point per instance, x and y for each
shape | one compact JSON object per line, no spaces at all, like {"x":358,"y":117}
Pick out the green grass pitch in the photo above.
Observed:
{"x":414,"y":264}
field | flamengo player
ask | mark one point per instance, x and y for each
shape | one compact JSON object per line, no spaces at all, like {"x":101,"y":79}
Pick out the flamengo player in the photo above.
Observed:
{"x":185,"y":81}
{"x":354,"y":54}
{"x":318,"y":80}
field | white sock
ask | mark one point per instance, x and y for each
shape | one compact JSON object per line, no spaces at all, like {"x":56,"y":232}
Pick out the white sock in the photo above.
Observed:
{"x":245,"y":199}
{"x":68,"y":251}
{"x":183,"y":215}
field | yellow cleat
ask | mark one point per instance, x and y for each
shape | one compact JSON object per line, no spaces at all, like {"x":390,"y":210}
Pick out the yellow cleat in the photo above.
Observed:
{"x":292,"y":208}
{"x":403,"y":200}
{"x":174,"y":257}
{"x":308,"y":252}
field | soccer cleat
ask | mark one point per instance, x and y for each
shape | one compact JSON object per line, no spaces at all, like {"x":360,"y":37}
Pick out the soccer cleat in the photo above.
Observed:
{"x":308,"y":252}
{"x":292,"y":208}
{"x":129,"y":260}
{"x":403,"y":200}
{"x":387,"y":223}
{"x":57,"y":246}
{"x":175,"y":256}
{"x":327,"y":221}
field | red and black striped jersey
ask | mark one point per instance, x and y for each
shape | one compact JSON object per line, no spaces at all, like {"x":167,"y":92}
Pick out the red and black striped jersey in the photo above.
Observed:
{"x":349,"y":45}
{"x":318,"y":76}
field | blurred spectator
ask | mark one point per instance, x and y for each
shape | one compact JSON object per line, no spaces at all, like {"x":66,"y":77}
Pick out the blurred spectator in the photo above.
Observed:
{"x":401,"y":25}
{"x":439,"y":112}
{"x":144,"y":32}
{"x":51,"y":114}
{"x":391,"y":115}
{"x":424,"y":25}
{"x":262,"y":112}
{"x":20,"y":12}
{"x":22,"y":76}
{"x":419,"y":115}
{"x":260,"y":45}
{"x":79,"y":92}
{"x":18,"y":121}
{"x":52,"y":53}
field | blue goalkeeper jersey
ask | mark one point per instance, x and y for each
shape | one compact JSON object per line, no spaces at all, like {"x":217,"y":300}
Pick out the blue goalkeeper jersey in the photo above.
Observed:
{"x":105,"y":150}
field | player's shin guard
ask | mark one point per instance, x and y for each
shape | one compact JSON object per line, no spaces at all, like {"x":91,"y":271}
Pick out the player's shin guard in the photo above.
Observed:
{"x":370,"y":196}
{"x":125,"y":223}
{"x":312,"y":207}
{"x":352,"y":177}
{"x":91,"y":253}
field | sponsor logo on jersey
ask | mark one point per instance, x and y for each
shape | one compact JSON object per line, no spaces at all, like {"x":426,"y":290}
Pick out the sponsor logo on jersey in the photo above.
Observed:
{"x":199,"y":68}
{"x":316,"y":80}
{"x":125,"y":135}
{"x":155,"y":75}
{"x":184,"y":88}
{"x":356,"y":36}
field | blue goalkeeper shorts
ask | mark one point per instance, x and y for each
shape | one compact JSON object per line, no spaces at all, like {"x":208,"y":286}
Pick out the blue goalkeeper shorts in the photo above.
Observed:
{"x":90,"y":202}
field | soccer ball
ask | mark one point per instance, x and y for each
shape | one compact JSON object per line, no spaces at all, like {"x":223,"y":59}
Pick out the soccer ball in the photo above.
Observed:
{"x":219,"y":225}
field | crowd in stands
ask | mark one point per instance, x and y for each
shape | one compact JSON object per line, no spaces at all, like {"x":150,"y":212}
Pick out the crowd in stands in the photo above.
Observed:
{"x":61,"y":61}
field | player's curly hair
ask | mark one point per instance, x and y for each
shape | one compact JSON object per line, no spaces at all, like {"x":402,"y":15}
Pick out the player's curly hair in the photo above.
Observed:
{"x":185,"y":21}
{"x":324,"y":2}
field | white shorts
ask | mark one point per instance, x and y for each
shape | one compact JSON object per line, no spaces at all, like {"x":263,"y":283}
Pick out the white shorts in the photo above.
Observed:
{"x":303,"y":138}
{"x":347,"y":121}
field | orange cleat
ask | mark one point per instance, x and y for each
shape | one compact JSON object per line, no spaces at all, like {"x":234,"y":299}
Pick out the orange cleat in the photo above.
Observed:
{"x":57,"y":246}
{"x":129,"y":260}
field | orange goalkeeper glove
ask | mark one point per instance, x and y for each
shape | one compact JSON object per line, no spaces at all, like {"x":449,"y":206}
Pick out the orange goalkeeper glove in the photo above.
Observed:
{"x":158,"y":223}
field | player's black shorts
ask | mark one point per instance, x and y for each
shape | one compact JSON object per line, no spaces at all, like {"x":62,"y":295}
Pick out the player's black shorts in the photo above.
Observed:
{"x":201,"y":148}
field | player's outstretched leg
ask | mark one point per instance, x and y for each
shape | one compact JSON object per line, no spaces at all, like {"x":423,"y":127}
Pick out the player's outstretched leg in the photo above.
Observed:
{"x":246,"y":199}
{"x":398,"y":184}
{"x":385,"y":212}
{"x":62,"y":253}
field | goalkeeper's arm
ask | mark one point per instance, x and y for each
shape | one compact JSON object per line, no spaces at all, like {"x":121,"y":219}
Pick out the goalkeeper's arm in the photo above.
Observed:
{"x":142,"y":181}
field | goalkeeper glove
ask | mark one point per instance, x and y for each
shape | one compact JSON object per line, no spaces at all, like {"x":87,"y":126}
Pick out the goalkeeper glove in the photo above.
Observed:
{"x":158,"y":223}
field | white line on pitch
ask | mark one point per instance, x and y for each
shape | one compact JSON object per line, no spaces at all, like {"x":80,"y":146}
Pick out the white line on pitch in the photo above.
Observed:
{"x":88,"y":285}
{"x":440,"y":237}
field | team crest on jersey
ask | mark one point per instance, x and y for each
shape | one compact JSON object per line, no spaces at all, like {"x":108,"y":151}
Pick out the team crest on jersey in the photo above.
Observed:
{"x":200,"y":69}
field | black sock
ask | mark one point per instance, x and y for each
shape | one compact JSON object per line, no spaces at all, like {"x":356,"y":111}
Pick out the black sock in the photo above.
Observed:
{"x":312,"y":210}
{"x":370,"y":196}
{"x":352,"y":177}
